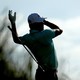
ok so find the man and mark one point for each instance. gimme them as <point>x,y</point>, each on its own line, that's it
<point>40,42</point>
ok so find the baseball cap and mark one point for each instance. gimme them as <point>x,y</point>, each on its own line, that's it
<point>34,17</point>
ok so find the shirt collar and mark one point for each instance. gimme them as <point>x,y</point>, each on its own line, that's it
<point>33,31</point>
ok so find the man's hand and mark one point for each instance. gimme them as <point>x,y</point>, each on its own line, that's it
<point>12,18</point>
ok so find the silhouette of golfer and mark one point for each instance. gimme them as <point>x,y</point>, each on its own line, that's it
<point>40,42</point>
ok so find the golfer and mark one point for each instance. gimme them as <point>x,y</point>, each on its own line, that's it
<point>40,42</point>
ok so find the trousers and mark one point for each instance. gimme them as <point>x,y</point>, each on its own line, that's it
<point>46,75</point>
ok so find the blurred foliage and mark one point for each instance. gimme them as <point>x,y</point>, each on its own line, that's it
<point>8,70</point>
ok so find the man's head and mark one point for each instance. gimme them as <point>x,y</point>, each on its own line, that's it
<point>35,22</point>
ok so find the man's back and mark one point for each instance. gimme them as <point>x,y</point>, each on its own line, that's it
<point>41,45</point>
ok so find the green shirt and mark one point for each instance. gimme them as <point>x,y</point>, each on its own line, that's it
<point>42,46</point>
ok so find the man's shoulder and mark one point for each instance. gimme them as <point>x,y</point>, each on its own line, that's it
<point>47,31</point>
<point>26,36</point>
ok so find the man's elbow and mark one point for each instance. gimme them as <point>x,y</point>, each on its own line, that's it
<point>58,32</point>
<point>61,31</point>
<point>17,41</point>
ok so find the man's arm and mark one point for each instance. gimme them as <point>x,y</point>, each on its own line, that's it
<point>14,31</point>
<point>58,31</point>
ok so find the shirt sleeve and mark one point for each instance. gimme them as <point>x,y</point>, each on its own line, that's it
<point>23,39</point>
<point>45,37</point>
<point>48,34</point>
